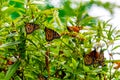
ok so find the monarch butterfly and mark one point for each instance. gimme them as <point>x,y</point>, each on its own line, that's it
<point>30,27</point>
<point>51,34</point>
<point>94,58</point>
<point>74,28</point>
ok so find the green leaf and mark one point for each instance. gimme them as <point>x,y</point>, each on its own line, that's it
<point>12,70</point>
<point>86,69</point>
<point>9,44</point>
<point>88,21</point>
<point>57,19</point>
<point>17,3</point>
<point>69,69</point>
<point>67,10</point>
<point>32,42</point>
<point>2,75</point>
<point>115,47</point>
<point>14,15</point>
<point>29,76</point>
<point>74,63</point>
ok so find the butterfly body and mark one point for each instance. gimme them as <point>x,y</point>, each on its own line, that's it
<point>30,27</point>
<point>51,34</point>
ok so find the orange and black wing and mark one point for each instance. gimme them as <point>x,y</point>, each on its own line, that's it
<point>51,34</point>
<point>56,35</point>
<point>74,28</point>
<point>88,60</point>
<point>30,27</point>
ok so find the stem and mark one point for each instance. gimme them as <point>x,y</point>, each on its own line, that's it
<point>110,69</point>
<point>47,54</point>
<point>110,72</point>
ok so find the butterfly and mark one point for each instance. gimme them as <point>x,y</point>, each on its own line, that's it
<point>74,28</point>
<point>94,58</point>
<point>51,34</point>
<point>30,27</point>
<point>89,58</point>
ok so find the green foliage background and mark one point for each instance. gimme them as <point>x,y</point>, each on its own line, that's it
<point>14,41</point>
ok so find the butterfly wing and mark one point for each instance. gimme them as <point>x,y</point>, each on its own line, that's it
<point>74,28</point>
<point>101,59</point>
<point>48,34</point>
<point>51,34</point>
<point>56,35</point>
<point>30,27</point>
<point>36,26</point>
<point>91,57</point>
<point>88,60</point>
